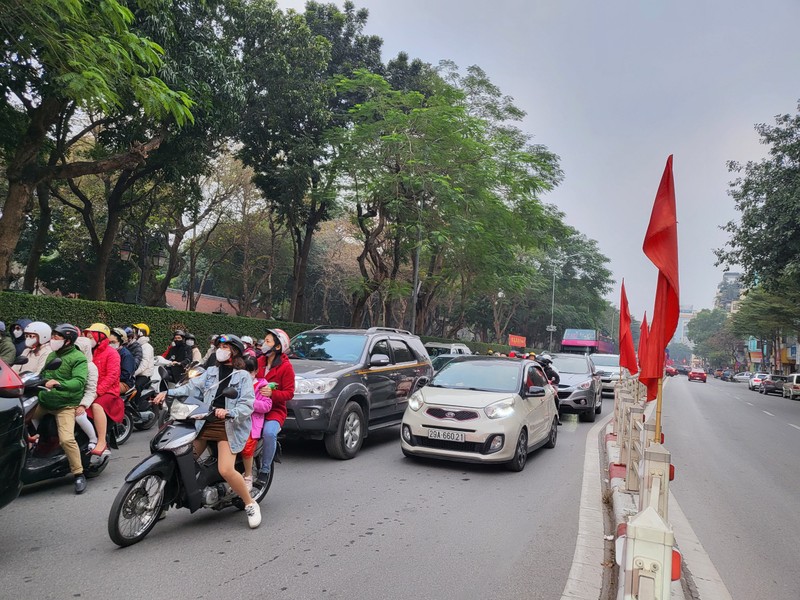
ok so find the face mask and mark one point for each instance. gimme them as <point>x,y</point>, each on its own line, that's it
<point>93,342</point>
<point>56,345</point>
<point>223,355</point>
<point>267,349</point>
<point>115,346</point>
<point>30,342</point>
<point>17,333</point>
<point>178,342</point>
<point>189,343</point>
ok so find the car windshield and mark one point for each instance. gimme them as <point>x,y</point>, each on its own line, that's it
<point>441,361</point>
<point>605,360</point>
<point>488,376</point>
<point>336,347</point>
<point>570,364</point>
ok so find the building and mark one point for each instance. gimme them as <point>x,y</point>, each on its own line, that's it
<point>179,300</point>
<point>729,291</point>
<point>687,314</point>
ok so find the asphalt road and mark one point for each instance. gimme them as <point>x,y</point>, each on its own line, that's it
<point>737,461</point>
<point>380,526</point>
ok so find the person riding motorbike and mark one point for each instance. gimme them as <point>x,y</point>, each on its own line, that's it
<point>126,360</point>
<point>108,404</point>
<point>144,372</point>
<point>191,342</point>
<point>133,347</point>
<point>232,423</point>
<point>178,354</point>
<point>8,352</point>
<point>65,388</point>
<point>89,393</point>
<point>274,367</point>
<point>37,342</point>
<point>18,334</point>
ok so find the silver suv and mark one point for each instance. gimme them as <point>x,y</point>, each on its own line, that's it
<point>608,368</point>
<point>349,382</point>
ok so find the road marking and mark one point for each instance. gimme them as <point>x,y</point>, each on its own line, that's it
<point>586,573</point>
<point>750,403</point>
<point>793,425</point>
<point>767,413</point>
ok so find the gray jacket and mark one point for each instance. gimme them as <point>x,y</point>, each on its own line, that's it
<point>204,388</point>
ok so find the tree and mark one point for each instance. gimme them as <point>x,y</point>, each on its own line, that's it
<point>767,317</point>
<point>59,53</point>
<point>767,196</point>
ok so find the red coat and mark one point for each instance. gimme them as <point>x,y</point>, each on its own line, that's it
<point>108,368</point>
<point>281,373</point>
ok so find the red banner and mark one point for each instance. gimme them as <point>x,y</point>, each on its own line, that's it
<point>516,341</point>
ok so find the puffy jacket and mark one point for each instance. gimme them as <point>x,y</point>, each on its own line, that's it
<point>71,376</point>
<point>8,351</point>
<point>136,351</point>
<point>90,391</point>
<point>261,406</point>
<point>19,344</point>
<point>148,357</point>
<point>126,366</point>
<point>281,373</point>
<point>37,359</point>
<point>108,368</point>
<point>204,388</point>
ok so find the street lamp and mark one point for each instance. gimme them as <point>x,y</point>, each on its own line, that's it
<point>551,328</point>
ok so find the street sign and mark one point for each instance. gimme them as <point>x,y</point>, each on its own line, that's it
<point>516,341</point>
<point>550,328</point>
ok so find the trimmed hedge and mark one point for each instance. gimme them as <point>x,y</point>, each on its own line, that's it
<point>162,321</point>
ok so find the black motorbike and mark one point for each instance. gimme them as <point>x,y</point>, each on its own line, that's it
<point>139,414</point>
<point>172,476</point>
<point>45,458</point>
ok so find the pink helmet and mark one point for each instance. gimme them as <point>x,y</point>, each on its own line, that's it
<point>282,337</point>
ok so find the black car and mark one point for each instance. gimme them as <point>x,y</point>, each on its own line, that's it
<point>352,381</point>
<point>772,384</point>
<point>12,441</point>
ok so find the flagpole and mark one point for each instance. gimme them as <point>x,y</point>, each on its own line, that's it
<point>657,439</point>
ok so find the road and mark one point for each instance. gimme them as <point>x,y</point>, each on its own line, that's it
<point>380,526</point>
<point>738,481</point>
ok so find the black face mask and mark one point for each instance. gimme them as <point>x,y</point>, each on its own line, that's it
<point>178,343</point>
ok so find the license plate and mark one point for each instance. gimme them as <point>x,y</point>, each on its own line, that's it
<point>449,436</point>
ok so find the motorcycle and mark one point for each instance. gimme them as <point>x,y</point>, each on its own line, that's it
<point>138,415</point>
<point>45,459</point>
<point>161,382</point>
<point>173,476</point>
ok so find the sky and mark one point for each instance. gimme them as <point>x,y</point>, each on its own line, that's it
<point>614,88</point>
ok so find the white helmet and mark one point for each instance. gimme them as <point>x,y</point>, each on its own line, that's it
<point>282,337</point>
<point>246,339</point>
<point>41,329</point>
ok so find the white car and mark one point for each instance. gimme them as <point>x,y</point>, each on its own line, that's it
<point>743,377</point>
<point>483,410</point>
<point>755,380</point>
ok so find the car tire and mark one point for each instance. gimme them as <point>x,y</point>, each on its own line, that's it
<point>553,437</point>
<point>588,416</point>
<point>346,441</point>
<point>520,459</point>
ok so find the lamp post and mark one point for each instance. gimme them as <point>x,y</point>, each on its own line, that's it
<point>551,328</point>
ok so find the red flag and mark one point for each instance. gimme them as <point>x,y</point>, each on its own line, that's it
<point>627,353</point>
<point>661,247</point>
<point>644,352</point>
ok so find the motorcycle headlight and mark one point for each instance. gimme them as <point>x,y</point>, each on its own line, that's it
<point>320,385</point>
<point>500,409</point>
<point>415,401</point>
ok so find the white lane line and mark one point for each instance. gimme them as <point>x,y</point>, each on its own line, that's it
<point>793,425</point>
<point>705,575</point>
<point>750,403</point>
<point>767,413</point>
<point>586,574</point>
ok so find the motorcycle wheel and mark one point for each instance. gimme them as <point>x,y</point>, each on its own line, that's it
<point>259,491</point>
<point>135,510</point>
<point>145,425</point>
<point>124,429</point>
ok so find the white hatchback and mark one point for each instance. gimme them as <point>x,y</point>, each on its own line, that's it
<point>484,410</point>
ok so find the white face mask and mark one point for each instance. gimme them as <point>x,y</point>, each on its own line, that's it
<point>223,355</point>
<point>17,333</point>
<point>92,342</point>
<point>30,342</point>
<point>115,346</point>
<point>190,343</point>
<point>267,349</point>
<point>56,345</point>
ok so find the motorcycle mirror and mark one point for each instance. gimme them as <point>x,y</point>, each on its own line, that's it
<point>20,360</point>
<point>53,364</point>
<point>230,392</point>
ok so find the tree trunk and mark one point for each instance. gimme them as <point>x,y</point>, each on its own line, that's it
<point>97,283</point>
<point>40,242</point>
<point>301,272</point>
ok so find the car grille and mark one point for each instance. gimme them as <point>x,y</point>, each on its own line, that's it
<point>473,447</point>
<point>457,415</point>
<point>562,395</point>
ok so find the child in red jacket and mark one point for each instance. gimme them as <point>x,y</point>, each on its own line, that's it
<point>276,369</point>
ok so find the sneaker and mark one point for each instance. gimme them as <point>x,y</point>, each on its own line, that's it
<point>253,515</point>
<point>248,481</point>
<point>262,479</point>
<point>80,483</point>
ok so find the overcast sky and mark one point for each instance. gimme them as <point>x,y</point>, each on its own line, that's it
<point>614,88</point>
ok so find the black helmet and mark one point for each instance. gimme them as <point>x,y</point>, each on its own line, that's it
<point>67,331</point>
<point>544,359</point>
<point>190,336</point>
<point>179,332</point>
<point>233,340</point>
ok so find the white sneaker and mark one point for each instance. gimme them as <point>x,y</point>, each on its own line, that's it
<point>253,515</point>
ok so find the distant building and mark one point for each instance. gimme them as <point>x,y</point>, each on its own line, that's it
<point>206,303</point>
<point>687,314</point>
<point>729,291</point>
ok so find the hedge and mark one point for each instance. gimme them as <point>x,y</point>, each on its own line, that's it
<point>162,321</point>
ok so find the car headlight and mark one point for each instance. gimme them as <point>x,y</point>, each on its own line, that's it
<point>585,385</point>
<point>320,385</point>
<point>415,401</point>
<point>500,409</point>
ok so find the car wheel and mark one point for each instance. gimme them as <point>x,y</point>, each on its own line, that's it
<point>346,441</point>
<point>553,437</point>
<point>588,416</point>
<point>520,453</point>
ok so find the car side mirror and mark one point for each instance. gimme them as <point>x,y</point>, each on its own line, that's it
<point>379,360</point>
<point>536,391</point>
